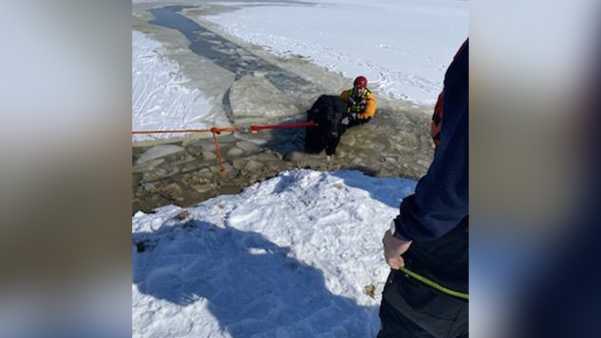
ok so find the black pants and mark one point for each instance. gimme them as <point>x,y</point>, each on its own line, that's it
<point>396,325</point>
<point>411,309</point>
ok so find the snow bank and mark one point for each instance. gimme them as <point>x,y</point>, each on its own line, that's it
<point>403,47</point>
<point>288,257</point>
<point>160,98</point>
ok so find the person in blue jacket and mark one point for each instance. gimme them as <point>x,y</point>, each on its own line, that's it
<point>430,234</point>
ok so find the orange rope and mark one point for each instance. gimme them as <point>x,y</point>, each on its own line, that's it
<point>170,131</point>
<point>256,128</point>
<point>216,131</point>
<point>253,128</point>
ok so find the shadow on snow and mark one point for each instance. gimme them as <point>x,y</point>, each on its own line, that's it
<point>251,285</point>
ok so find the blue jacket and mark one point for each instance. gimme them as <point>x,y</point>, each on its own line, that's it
<point>440,200</point>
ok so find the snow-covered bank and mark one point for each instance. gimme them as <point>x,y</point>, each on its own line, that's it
<point>288,257</point>
<point>403,47</point>
<point>160,97</point>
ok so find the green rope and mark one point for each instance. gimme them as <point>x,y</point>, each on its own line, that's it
<point>435,285</point>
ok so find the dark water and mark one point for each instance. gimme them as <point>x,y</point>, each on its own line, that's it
<point>225,53</point>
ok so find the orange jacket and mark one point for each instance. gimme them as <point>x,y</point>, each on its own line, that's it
<point>370,103</point>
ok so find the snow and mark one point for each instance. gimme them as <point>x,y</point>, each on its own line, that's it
<point>287,257</point>
<point>160,98</point>
<point>403,47</point>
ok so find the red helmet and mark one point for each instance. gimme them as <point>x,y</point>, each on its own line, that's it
<point>360,82</point>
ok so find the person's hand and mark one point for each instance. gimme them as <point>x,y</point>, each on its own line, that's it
<point>393,249</point>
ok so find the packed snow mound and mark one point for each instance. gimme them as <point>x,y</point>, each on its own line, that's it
<point>288,257</point>
<point>161,98</point>
<point>403,47</point>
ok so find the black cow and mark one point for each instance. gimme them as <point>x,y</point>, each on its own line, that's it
<point>328,112</point>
